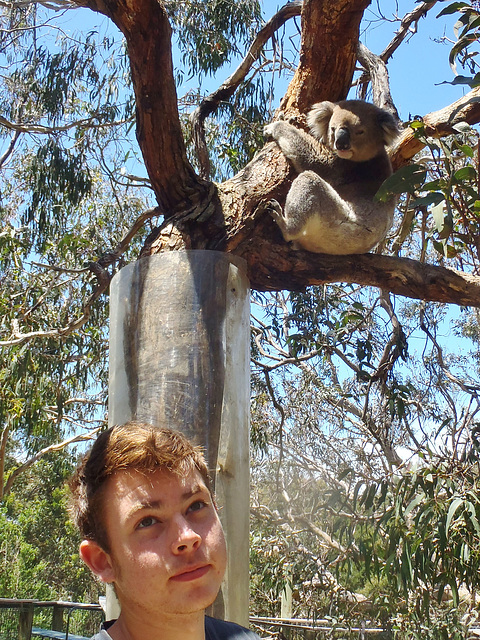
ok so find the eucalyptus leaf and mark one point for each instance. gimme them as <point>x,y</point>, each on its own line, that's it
<point>406,179</point>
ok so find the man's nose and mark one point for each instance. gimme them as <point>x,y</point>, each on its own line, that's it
<point>185,538</point>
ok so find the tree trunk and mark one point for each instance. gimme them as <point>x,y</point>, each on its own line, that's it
<point>232,216</point>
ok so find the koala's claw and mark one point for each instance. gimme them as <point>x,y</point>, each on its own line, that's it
<point>268,130</point>
<point>275,209</point>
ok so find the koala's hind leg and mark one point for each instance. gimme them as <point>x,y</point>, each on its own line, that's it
<point>315,216</point>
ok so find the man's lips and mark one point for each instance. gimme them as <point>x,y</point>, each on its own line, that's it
<point>191,573</point>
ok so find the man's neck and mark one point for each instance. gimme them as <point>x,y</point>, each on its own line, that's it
<point>171,627</point>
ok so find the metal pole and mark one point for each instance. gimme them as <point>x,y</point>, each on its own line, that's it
<point>179,356</point>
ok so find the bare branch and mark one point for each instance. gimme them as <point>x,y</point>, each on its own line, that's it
<point>406,27</point>
<point>122,246</point>
<point>375,66</point>
<point>284,268</point>
<point>74,325</point>
<point>103,279</point>
<point>43,452</point>
<point>54,5</point>
<point>42,129</point>
<point>228,88</point>
<point>9,150</point>
<point>377,72</point>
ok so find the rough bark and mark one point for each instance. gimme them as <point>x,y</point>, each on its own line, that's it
<point>147,31</point>
<point>328,53</point>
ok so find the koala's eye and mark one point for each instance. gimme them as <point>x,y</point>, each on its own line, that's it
<point>360,132</point>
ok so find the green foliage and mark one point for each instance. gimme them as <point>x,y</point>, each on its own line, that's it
<point>444,626</point>
<point>426,531</point>
<point>467,34</point>
<point>446,185</point>
<point>38,547</point>
<point>382,536</point>
<point>210,32</point>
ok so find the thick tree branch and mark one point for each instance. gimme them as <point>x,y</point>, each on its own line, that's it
<point>147,31</point>
<point>328,52</point>
<point>278,267</point>
<point>232,216</point>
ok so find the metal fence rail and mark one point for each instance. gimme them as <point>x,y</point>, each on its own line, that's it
<point>305,629</point>
<point>18,617</point>
<point>316,629</point>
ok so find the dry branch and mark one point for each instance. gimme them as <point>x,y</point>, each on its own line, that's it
<point>402,276</point>
<point>228,88</point>
<point>406,27</point>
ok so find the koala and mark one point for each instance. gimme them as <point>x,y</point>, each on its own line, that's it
<point>330,207</point>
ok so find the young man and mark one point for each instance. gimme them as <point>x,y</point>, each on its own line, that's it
<point>141,499</point>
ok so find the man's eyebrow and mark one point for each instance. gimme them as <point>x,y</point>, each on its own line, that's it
<point>145,505</point>
<point>196,488</point>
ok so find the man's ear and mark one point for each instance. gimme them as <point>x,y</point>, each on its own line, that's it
<point>97,560</point>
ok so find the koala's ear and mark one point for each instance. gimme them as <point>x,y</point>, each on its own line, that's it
<point>389,126</point>
<point>319,117</point>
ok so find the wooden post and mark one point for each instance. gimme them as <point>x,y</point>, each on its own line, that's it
<point>179,357</point>
<point>286,602</point>
<point>57,618</point>
<point>25,622</point>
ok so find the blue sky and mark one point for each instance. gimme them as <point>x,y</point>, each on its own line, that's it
<point>417,70</point>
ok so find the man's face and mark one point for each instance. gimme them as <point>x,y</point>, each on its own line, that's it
<point>167,548</point>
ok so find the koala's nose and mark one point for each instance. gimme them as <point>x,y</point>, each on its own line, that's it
<point>342,139</point>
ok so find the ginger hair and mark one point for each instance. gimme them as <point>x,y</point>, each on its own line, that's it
<point>132,446</point>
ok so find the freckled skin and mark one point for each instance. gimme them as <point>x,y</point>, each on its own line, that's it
<point>330,207</point>
<point>167,556</point>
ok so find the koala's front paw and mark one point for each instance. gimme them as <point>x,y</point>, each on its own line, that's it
<point>268,130</point>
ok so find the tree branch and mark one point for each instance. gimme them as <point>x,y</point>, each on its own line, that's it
<point>42,129</point>
<point>147,31</point>
<point>328,53</point>
<point>405,28</point>
<point>438,124</point>
<point>51,448</point>
<point>228,88</point>
<point>377,72</point>
<point>276,268</point>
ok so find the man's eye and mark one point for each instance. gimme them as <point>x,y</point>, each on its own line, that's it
<point>197,505</point>
<point>147,522</point>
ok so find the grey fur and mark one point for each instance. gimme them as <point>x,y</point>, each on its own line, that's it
<point>330,207</point>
